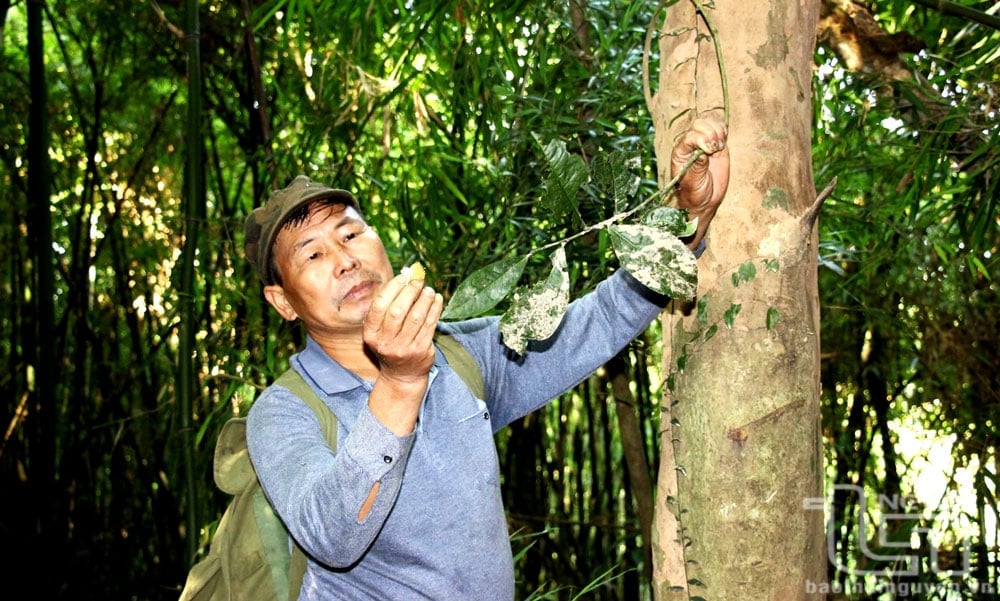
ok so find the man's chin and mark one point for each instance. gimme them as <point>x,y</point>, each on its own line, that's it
<point>354,312</point>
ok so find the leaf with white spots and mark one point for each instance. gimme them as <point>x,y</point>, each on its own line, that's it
<point>535,313</point>
<point>656,258</point>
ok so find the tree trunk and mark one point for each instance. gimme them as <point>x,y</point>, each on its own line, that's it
<point>42,477</point>
<point>741,422</point>
<point>194,213</point>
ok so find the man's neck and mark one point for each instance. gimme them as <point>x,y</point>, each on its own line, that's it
<point>349,351</point>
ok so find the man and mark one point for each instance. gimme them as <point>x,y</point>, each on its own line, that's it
<point>408,506</point>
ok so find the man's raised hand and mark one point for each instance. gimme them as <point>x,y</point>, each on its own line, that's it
<point>400,325</point>
<point>702,187</point>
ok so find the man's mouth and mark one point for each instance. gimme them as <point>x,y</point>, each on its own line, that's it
<point>359,292</point>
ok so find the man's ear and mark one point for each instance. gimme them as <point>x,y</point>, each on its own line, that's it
<point>276,296</point>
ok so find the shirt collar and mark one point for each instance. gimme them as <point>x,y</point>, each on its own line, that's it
<point>331,377</point>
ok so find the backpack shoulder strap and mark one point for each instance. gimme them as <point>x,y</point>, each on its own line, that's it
<point>462,362</point>
<point>294,381</point>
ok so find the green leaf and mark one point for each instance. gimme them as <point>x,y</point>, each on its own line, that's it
<point>567,174</point>
<point>671,220</point>
<point>744,273</point>
<point>702,311</point>
<point>486,287</point>
<point>772,317</point>
<point>535,313</point>
<point>730,315</point>
<point>656,258</point>
<point>613,176</point>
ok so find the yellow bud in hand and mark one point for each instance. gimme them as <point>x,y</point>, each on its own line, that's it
<point>413,272</point>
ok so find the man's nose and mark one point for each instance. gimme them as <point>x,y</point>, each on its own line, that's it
<point>346,263</point>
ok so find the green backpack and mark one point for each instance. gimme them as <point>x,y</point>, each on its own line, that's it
<point>250,557</point>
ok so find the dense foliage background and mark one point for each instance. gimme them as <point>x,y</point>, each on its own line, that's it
<point>134,327</point>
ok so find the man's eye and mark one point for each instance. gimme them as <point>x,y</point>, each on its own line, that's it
<point>313,256</point>
<point>350,237</point>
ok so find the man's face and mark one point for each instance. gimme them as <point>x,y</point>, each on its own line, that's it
<point>331,266</point>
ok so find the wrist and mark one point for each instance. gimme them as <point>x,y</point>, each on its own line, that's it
<point>403,386</point>
<point>395,402</point>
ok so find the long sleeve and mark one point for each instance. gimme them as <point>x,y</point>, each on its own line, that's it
<point>317,492</point>
<point>595,328</point>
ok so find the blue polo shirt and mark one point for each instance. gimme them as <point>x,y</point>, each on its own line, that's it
<point>437,530</point>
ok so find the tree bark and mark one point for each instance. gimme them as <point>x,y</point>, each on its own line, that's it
<point>634,453</point>
<point>42,476</point>
<point>194,213</point>
<point>741,424</point>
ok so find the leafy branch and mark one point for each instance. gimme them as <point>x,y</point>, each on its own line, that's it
<point>645,236</point>
<point>649,247</point>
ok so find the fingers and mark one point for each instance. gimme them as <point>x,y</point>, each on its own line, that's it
<point>706,135</point>
<point>380,307</point>
<point>402,319</point>
<point>420,322</point>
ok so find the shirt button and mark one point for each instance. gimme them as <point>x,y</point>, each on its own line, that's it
<point>387,459</point>
<point>486,415</point>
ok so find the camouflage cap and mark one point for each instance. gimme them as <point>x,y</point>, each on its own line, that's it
<point>264,223</point>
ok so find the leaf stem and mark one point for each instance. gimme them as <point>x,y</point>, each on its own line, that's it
<point>718,55</point>
<point>668,189</point>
